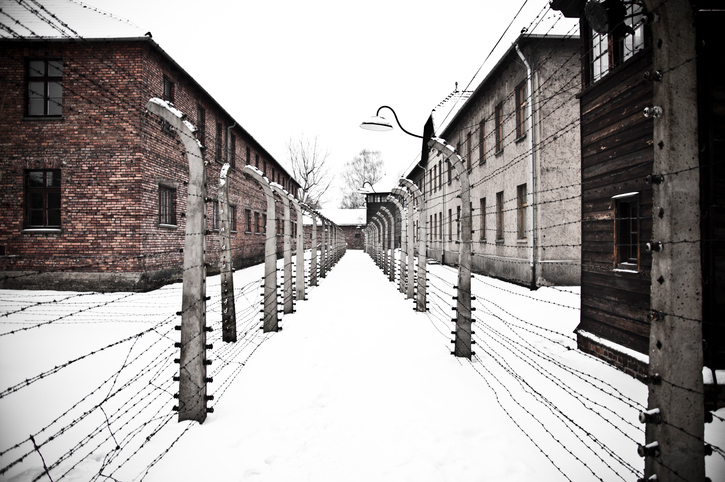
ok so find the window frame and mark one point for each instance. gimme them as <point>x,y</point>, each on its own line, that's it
<point>482,227</point>
<point>44,191</point>
<point>167,89</point>
<point>201,124</point>
<point>46,78</point>
<point>630,250</point>
<point>521,103</point>
<point>521,211</point>
<point>498,117</point>
<point>482,142</point>
<point>167,206</point>
<point>499,217</point>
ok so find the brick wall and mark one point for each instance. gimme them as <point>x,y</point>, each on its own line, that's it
<point>626,363</point>
<point>113,157</point>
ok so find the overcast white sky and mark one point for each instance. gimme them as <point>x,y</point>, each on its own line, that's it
<point>320,67</point>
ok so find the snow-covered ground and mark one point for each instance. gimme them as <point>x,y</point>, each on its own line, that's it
<point>357,387</point>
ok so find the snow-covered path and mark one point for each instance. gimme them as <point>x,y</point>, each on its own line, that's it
<point>360,388</point>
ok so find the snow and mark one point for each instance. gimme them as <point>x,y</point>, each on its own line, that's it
<point>357,387</point>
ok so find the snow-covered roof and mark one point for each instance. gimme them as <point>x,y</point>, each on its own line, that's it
<point>63,19</point>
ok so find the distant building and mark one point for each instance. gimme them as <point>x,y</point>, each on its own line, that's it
<point>93,189</point>
<point>351,221</point>
<point>524,178</point>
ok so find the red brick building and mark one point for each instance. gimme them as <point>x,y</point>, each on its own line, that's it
<point>93,189</point>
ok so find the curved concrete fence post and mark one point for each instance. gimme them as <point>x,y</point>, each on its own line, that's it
<point>381,245</point>
<point>410,246</point>
<point>463,304</point>
<point>323,248</point>
<point>403,242</point>
<point>390,219</point>
<point>313,249</point>
<point>229,317</point>
<point>287,243</point>
<point>377,240</point>
<point>271,320</point>
<point>192,362</point>
<point>421,300</point>
<point>300,245</point>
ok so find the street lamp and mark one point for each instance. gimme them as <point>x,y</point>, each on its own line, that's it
<point>379,123</point>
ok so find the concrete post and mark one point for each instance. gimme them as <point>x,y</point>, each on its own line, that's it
<point>675,353</point>
<point>376,240</point>
<point>383,242</point>
<point>323,250</point>
<point>192,361</point>
<point>229,317</point>
<point>403,241</point>
<point>271,320</point>
<point>412,217</point>
<point>463,305</point>
<point>421,301</point>
<point>300,260</point>
<point>287,243</point>
<point>313,248</point>
<point>390,219</point>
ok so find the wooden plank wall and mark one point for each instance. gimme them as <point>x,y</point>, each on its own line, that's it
<point>617,154</point>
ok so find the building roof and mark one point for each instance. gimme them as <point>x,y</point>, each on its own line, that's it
<point>73,21</point>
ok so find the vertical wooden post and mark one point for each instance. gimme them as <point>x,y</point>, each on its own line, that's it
<point>271,316</point>
<point>463,304</point>
<point>192,361</point>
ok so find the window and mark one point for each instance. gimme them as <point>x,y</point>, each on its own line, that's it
<point>440,225</point>
<point>248,221</point>
<point>45,88</point>
<point>167,205</point>
<point>232,150</point>
<point>499,216</point>
<point>521,110</point>
<point>431,232</point>
<point>249,159</point>
<point>257,225</point>
<point>449,169</point>
<point>499,127</point>
<point>440,175</point>
<point>482,142</point>
<point>610,50</point>
<point>458,223</point>
<point>219,142</point>
<point>264,223</point>
<point>435,225</point>
<point>482,229</point>
<point>521,205</point>
<point>168,89</point>
<point>233,219</point>
<point>217,219</point>
<point>469,151</point>
<point>450,227</point>
<point>626,230</point>
<point>201,124</point>
<point>42,198</point>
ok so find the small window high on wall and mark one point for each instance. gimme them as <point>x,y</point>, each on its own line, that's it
<point>626,230</point>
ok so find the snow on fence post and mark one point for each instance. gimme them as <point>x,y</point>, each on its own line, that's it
<point>287,243</point>
<point>463,297</point>
<point>390,219</point>
<point>421,301</point>
<point>403,241</point>
<point>229,316</point>
<point>192,361</point>
<point>300,260</point>
<point>410,251</point>
<point>270,319</point>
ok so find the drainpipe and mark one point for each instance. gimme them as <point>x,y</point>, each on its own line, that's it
<point>530,182</point>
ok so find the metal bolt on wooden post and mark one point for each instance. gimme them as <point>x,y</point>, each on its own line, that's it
<point>271,315</point>
<point>463,304</point>
<point>192,367</point>
<point>422,254</point>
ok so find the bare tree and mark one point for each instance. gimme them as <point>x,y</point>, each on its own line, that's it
<point>366,167</point>
<point>309,167</point>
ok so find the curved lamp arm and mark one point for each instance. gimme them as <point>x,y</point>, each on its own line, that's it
<point>380,123</point>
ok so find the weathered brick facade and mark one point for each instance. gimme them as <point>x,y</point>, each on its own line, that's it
<point>114,159</point>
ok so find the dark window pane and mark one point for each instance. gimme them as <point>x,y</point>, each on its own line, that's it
<point>36,68</point>
<point>54,217</point>
<point>35,200</point>
<point>55,68</point>
<point>36,217</point>
<point>53,200</point>
<point>53,178</point>
<point>35,179</point>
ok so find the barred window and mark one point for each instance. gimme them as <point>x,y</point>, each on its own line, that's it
<point>167,205</point>
<point>42,198</point>
<point>45,88</point>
